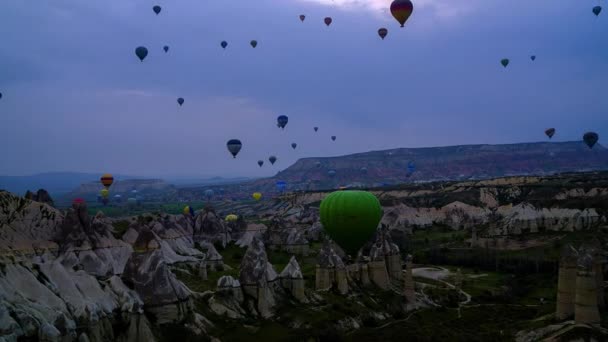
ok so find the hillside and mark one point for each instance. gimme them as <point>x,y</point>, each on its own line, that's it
<point>466,162</point>
<point>56,183</point>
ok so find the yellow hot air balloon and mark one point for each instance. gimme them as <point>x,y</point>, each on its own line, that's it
<point>257,196</point>
<point>104,193</point>
<point>231,218</point>
<point>188,211</point>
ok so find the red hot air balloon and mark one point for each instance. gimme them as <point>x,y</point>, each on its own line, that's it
<point>401,10</point>
<point>327,21</point>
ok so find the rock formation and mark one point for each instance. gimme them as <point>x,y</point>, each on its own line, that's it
<point>566,285</point>
<point>293,280</point>
<point>41,196</point>
<point>208,226</point>
<point>258,277</point>
<point>408,281</point>
<point>148,274</point>
<point>330,270</point>
<point>585,302</point>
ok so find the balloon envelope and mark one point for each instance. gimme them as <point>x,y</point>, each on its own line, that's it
<point>282,121</point>
<point>316,129</point>
<point>257,196</point>
<point>402,10</point>
<point>107,180</point>
<point>590,138</point>
<point>141,52</point>
<point>550,132</point>
<point>156,9</point>
<point>302,17</point>
<point>166,48</point>
<point>224,44</point>
<point>327,21</point>
<point>350,218</point>
<point>533,58</point>
<point>294,145</point>
<point>597,10</point>
<point>180,101</point>
<point>333,137</point>
<point>234,146</point>
<point>272,159</point>
<point>231,218</point>
<point>260,163</point>
<point>382,32</point>
<point>254,43</point>
<point>331,173</point>
<point>504,62</point>
<point>281,185</point>
<point>104,193</point>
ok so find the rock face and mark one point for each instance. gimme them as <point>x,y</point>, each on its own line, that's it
<point>384,251</point>
<point>46,293</point>
<point>293,280</point>
<point>210,227</point>
<point>258,278</point>
<point>148,274</point>
<point>41,196</point>
<point>330,270</point>
<point>228,298</point>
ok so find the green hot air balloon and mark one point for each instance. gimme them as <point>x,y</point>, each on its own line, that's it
<point>350,218</point>
<point>504,62</point>
<point>141,52</point>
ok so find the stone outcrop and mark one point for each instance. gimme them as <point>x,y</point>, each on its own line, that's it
<point>330,270</point>
<point>148,274</point>
<point>208,226</point>
<point>409,289</point>
<point>41,196</point>
<point>585,302</point>
<point>258,277</point>
<point>292,279</point>
<point>385,250</point>
<point>566,283</point>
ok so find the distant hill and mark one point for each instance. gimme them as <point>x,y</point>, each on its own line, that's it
<point>56,183</point>
<point>193,182</point>
<point>431,164</point>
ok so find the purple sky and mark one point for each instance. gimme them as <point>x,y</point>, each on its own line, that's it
<point>76,98</point>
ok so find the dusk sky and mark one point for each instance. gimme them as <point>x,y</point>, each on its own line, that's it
<point>76,98</point>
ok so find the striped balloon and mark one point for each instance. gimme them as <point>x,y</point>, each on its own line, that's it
<point>401,10</point>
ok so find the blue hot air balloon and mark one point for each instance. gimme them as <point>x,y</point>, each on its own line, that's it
<point>281,186</point>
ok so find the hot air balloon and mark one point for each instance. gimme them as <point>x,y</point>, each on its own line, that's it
<point>411,167</point>
<point>156,9</point>
<point>533,58</point>
<point>132,201</point>
<point>597,10</point>
<point>223,44</point>
<point>166,48</point>
<point>78,203</point>
<point>327,21</point>
<point>504,62</point>
<point>107,180</point>
<point>188,211</point>
<point>234,146</point>
<point>294,145</point>
<point>590,138</point>
<point>331,173</point>
<point>209,193</point>
<point>180,101</point>
<point>382,32</point>
<point>282,121</point>
<point>333,137</point>
<point>401,10</point>
<point>0,95</point>
<point>254,43</point>
<point>272,159</point>
<point>260,163</point>
<point>318,164</point>
<point>550,132</point>
<point>141,52</point>
<point>350,218</point>
<point>104,193</point>
<point>302,17</point>
<point>281,185</point>
<point>256,196</point>
<point>363,170</point>
<point>231,218</point>
<point>316,128</point>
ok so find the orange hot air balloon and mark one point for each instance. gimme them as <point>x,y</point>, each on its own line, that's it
<point>401,10</point>
<point>107,180</point>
